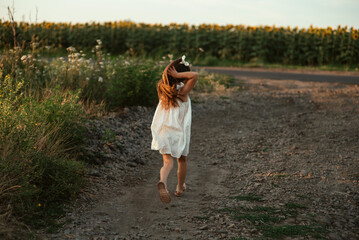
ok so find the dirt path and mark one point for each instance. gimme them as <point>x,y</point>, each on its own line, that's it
<point>276,160</point>
<point>287,74</point>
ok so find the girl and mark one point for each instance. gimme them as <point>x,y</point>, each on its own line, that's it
<point>171,125</point>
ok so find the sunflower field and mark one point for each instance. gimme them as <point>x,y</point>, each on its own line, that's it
<point>270,44</point>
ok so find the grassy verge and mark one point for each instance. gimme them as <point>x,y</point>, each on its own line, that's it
<point>36,164</point>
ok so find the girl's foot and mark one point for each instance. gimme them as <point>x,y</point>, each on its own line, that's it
<point>178,192</point>
<point>164,194</point>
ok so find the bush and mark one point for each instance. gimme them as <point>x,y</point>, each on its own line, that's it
<point>132,83</point>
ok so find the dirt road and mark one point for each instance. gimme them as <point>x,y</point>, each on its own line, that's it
<point>287,74</point>
<point>279,159</point>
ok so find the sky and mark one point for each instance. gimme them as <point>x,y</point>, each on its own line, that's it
<point>301,13</point>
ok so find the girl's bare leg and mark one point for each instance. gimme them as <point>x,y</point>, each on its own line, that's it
<point>164,172</point>
<point>166,169</point>
<point>181,174</point>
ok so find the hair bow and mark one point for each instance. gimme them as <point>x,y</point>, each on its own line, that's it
<point>184,61</point>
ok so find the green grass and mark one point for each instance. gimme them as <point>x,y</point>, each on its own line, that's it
<point>224,97</point>
<point>270,220</point>
<point>109,136</point>
<point>258,218</point>
<point>281,231</point>
<point>251,198</point>
<point>302,196</point>
<point>293,205</point>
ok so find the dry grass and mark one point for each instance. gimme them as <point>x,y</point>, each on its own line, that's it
<point>10,227</point>
<point>92,109</point>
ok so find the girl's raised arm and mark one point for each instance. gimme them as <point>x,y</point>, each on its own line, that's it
<point>191,79</point>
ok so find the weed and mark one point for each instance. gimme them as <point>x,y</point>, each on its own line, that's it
<point>109,136</point>
<point>292,205</point>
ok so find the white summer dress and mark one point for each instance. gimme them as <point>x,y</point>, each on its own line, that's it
<point>171,129</point>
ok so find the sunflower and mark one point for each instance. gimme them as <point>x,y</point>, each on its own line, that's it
<point>355,36</point>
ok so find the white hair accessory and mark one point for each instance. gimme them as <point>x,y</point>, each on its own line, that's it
<point>179,86</point>
<point>184,61</point>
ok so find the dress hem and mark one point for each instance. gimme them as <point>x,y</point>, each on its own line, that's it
<point>170,153</point>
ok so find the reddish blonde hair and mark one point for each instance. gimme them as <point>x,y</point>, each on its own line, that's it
<point>166,87</point>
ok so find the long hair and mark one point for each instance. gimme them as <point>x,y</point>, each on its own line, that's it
<point>166,87</point>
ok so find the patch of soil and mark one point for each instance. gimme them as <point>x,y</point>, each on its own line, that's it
<point>279,159</point>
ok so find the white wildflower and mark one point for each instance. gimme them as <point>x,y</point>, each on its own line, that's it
<point>201,49</point>
<point>34,44</point>
<point>99,42</point>
<point>100,79</point>
<point>71,49</point>
<point>23,58</point>
<point>87,78</point>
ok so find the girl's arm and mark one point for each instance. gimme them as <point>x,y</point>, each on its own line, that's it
<point>191,79</point>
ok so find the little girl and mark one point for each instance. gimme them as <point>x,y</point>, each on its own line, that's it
<point>171,125</point>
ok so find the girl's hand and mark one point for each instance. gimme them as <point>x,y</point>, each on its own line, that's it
<point>172,72</point>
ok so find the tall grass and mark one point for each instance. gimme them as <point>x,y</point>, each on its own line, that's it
<point>36,161</point>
